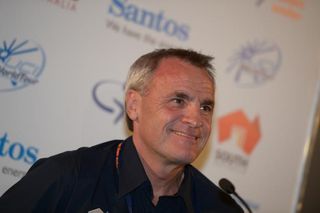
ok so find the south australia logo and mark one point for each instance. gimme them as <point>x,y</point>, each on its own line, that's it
<point>238,137</point>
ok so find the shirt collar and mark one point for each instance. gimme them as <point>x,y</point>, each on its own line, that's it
<point>185,190</point>
<point>131,166</point>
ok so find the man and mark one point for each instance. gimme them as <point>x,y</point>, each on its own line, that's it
<point>169,99</point>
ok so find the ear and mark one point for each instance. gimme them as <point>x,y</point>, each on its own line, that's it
<point>132,104</point>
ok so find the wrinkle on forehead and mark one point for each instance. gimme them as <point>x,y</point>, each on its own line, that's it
<point>178,72</point>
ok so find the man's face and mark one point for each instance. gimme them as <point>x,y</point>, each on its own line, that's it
<point>172,119</point>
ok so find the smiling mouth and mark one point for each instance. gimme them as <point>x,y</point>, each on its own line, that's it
<point>183,134</point>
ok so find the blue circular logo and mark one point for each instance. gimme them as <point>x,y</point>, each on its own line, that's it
<point>21,64</point>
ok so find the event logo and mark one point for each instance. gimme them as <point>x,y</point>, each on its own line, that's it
<point>156,21</point>
<point>103,95</point>
<point>288,8</point>
<point>255,63</point>
<point>242,136</point>
<point>65,4</point>
<point>21,64</point>
<point>17,151</point>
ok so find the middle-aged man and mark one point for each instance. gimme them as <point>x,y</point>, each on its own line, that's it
<point>169,98</point>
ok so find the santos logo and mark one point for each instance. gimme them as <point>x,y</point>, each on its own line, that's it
<point>17,151</point>
<point>21,64</point>
<point>156,21</point>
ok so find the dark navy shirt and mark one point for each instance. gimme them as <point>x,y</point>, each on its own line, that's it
<point>88,180</point>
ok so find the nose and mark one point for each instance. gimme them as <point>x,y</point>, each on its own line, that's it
<point>192,116</point>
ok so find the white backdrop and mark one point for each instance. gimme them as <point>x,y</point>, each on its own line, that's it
<point>63,64</point>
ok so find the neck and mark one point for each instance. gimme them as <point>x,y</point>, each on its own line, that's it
<point>165,178</point>
<point>164,181</point>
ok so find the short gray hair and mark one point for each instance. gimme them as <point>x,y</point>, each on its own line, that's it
<point>142,70</point>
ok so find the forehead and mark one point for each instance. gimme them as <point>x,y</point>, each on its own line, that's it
<point>176,73</point>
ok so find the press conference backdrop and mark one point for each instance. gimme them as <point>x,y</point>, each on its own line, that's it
<point>63,64</point>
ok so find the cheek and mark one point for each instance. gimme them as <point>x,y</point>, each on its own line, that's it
<point>209,126</point>
<point>154,119</point>
<point>207,121</point>
<point>206,133</point>
<point>171,118</point>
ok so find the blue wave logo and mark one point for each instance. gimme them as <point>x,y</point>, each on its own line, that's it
<point>255,63</point>
<point>21,64</point>
<point>103,95</point>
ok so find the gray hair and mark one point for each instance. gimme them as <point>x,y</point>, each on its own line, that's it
<point>142,70</point>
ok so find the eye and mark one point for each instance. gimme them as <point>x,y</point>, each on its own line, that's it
<point>178,101</point>
<point>207,108</point>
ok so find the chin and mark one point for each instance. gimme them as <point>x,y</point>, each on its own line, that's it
<point>186,158</point>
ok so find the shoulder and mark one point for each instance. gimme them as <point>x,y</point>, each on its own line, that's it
<point>84,155</point>
<point>210,197</point>
<point>59,178</point>
<point>79,160</point>
<point>201,182</point>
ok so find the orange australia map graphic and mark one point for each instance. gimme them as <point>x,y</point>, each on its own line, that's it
<point>289,8</point>
<point>249,132</point>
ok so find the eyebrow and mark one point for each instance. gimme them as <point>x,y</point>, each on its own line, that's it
<point>187,97</point>
<point>182,95</point>
<point>208,102</point>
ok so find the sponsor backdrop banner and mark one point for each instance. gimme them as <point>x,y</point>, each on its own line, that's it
<point>63,64</point>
